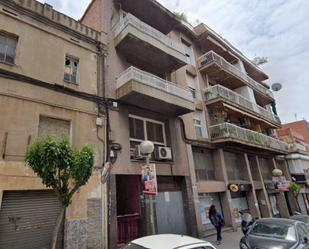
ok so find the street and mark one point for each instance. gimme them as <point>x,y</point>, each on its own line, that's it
<point>230,240</point>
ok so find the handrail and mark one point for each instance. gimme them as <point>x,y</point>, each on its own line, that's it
<point>211,57</point>
<point>154,81</point>
<point>228,130</point>
<point>221,91</point>
<point>156,34</point>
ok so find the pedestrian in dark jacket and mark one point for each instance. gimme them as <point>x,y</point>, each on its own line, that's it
<point>217,220</point>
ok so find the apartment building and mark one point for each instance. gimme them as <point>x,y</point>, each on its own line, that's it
<point>50,83</point>
<point>298,161</point>
<point>200,101</point>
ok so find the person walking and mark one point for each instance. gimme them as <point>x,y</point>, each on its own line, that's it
<point>217,221</point>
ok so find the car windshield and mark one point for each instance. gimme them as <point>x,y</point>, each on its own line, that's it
<point>273,230</point>
<point>134,246</point>
<point>302,218</point>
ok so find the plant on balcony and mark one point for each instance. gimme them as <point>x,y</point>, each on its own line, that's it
<point>295,188</point>
<point>181,16</point>
<point>259,60</point>
<point>61,168</point>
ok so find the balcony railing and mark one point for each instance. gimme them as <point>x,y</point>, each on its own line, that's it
<point>212,57</point>
<point>138,24</point>
<point>227,131</point>
<point>151,80</point>
<point>223,92</point>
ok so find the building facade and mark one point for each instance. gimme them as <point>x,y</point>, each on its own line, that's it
<point>49,80</point>
<point>298,160</point>
<point>196,96</point>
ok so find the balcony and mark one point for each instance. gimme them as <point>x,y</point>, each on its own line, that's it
<point>148,91</point>
<point>220,93</point>
<point>227,132</point>
<point>144,45</point>
<point>227,74</point>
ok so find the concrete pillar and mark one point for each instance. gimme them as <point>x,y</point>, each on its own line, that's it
<point>112,213</point>
<point>264,203</point>
<point>282,205</point>
<point>251,195</point>
<point>226,199</point>
<point>196,202</point>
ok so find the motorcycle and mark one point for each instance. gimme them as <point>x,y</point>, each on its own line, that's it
<point>246,221</point>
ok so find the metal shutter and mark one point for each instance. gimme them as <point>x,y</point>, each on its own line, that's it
<point>27,219</point>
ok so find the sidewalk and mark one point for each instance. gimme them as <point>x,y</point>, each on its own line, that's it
<point>230,239</point>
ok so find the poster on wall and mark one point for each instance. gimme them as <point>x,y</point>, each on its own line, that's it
<point>149,179</point>
<point>280,183</point>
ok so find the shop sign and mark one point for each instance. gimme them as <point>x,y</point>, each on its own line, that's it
<point>149,179</point>
<point>233,188</point>
<point>280,183</point>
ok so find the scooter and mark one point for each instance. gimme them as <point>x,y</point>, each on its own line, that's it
<point>246,221</point>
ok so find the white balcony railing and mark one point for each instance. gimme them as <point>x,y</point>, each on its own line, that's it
<point>129,19</point>
<point>231,131</point>
<point>154,81</point>
<point>212,57</point>
<point>223,92</point>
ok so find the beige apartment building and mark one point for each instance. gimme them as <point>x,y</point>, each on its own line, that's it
<point>50,80</point>
<point>207,110</point>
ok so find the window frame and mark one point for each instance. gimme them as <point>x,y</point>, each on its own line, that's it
<point>200,126</point>
<point>72,58</point>
<point>145,129</point>
<point>11,36</point>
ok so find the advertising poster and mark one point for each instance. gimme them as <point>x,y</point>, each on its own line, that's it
<point>280,183</point>
<point>149,179</point>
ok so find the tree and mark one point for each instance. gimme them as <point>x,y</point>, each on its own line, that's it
<point>295,188</point>
<point>259,60</point>
<point>181,16</point>
<point>61,168</point>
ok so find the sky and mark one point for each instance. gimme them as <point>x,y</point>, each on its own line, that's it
<point>276,29</point>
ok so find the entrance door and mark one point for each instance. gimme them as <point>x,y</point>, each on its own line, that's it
<point>27,219</point>
<point>170,213</point>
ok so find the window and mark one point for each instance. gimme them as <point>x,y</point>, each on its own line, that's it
<point>146,129</point>
<point>189,52</point>
<point>193,86</point>
<point>198,127</point>
<point>53,126</point>
<point>193,92</point>
<point>7,48</point>
<point>203,164</point>
<point>71,69</point>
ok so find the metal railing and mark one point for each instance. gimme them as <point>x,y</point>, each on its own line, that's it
<point>212,57</point>
<point>231,131</point>
<point>223,92</point>
<point>154,81</point>
<point>129,19</point>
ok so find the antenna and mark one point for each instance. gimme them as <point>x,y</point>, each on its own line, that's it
<point>276,87</point>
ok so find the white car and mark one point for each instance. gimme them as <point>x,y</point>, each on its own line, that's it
<point>168,241</point>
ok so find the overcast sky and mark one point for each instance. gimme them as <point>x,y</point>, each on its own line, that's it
<point>277,29</point>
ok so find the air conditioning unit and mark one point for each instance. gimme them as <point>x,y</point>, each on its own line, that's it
<point>163,153</point>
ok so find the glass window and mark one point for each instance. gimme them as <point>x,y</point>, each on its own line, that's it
<point>198,127</point>
<point>154,132</point>
<point>7,48</point>
<point>193,92</point>
<point>303,231</point>
<point>136,128</point>
<point>205,201</point>
<point>273,230</point>
<point>71,69</point>
<point>204,166</point>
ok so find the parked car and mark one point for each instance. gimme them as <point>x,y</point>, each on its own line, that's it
<point>274,233</point>
<point>301,217</point>
<point>168,241</point>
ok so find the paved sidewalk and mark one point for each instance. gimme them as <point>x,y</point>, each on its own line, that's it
<point>230,240</point>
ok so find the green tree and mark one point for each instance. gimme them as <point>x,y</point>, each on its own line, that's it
<point>61,168</point>
<point>181,16</point>
<point>259,60</point>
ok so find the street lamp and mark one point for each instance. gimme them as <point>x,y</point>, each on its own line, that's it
<point>146,148</point>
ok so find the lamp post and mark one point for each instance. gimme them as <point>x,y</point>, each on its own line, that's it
<point>147,147</point>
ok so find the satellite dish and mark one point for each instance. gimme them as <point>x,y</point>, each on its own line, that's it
<point>276,87</point>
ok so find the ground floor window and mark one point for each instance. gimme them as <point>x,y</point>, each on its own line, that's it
<point>206,200</point>
<point>239,203</point>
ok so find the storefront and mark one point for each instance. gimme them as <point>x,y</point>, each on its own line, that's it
<point>239,199</point>
<point>206,200</point>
